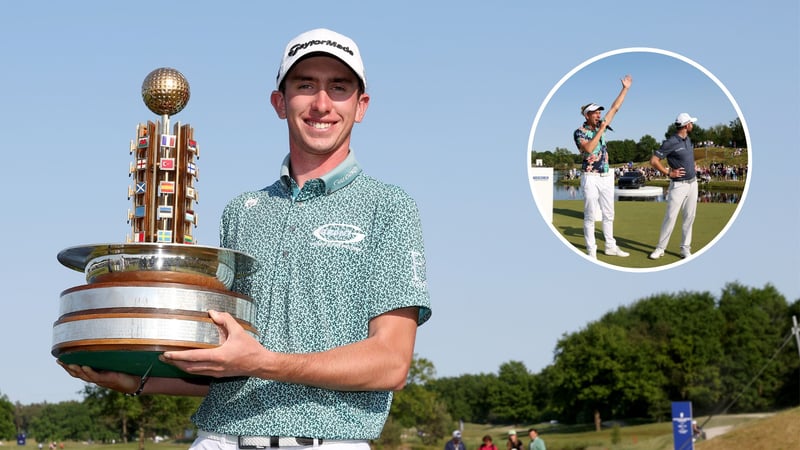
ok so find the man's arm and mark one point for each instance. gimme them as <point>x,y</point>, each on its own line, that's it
<point>589,145</point>
<point>612,111</point>
<point>677,172</point>
<point>655,162</point>
<point>378,363</point>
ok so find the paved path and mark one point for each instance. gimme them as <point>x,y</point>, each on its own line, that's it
<point>716,431</point>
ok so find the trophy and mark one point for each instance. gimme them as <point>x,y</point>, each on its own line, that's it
<point>151,294</point>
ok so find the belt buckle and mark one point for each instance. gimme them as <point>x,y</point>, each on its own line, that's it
<point>254,445</point>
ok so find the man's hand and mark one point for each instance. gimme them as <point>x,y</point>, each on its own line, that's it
<point>627,81</point>
<point>121,382</point>
<point>378,363</point>
<point>238,354</point>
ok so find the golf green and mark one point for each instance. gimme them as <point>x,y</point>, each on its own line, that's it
<point>636,228</point>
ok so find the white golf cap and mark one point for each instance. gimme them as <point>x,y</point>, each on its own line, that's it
<point>591,107</point>
<point>325,41</point>
<point>683,119</point>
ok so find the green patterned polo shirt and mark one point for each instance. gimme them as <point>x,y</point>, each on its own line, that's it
<point>340,251</point>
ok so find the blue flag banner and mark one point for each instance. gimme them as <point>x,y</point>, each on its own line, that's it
<point>682,425</point>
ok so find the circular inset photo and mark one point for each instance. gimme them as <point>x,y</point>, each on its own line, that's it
<point>638,159</point>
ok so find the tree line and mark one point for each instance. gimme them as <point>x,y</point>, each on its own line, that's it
<point>103,416</point>
<point>730,353</point>
<point>724,354</point>
<point>622,151</point>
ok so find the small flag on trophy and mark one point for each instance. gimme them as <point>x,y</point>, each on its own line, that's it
<point>164,236</point>
<point>168,140</point>
<point>166,187</point>
<point>167,163</point>
<point>165,212</point>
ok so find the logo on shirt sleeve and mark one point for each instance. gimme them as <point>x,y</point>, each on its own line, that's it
<point>418,270</point>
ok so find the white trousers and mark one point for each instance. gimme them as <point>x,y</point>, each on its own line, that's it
<point>598,204</point>
<point>681,197</point>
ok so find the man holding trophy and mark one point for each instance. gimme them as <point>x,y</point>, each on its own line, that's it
<point>340,291</point>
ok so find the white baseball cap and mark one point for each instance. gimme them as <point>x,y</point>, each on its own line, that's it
<point>591,107</point>
<point>683,119</point>
<point>322,40</point>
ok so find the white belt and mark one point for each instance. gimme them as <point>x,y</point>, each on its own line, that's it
<point>262,442</point>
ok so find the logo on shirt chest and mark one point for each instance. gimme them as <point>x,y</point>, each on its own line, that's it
<point>339,235</point>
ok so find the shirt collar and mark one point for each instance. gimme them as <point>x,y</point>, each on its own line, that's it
<point>589,127</point>
<point>339,177</point>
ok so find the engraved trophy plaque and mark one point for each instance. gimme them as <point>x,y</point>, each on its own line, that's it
<point>152,293</point>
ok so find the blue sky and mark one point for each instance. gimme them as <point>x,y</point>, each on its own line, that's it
<point>455,90</point>
<point>664,85</point>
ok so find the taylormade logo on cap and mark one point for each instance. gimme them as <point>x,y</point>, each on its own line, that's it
<point>297,47</point>
<point>322,40</point>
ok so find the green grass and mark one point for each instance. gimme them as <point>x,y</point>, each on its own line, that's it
<point>636,229</point>
<point>777,432</point>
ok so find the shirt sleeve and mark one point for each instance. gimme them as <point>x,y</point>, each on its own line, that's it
<point>665,149</point>
<point>579,136</point>
<point>397,276</point>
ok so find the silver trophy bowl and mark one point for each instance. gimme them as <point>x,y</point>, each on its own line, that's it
<point>192,264</point>
<point>146,298</point>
